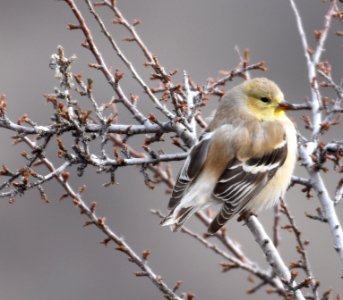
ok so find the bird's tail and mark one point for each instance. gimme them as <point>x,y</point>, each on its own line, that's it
<point>178,216</point>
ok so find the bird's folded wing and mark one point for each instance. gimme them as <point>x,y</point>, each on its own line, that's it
<point>242,180</point>
<point>190,169</point>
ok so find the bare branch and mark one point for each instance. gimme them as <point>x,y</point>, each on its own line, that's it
<point>308,149</point>
<point>99,222</point>
<point>301,250</point>
<point>325,201</point>
<point>272,255</point>
<point>235,263</point>
<point>129,65</point>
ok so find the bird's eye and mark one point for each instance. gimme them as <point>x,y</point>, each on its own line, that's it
<point>265,100</point>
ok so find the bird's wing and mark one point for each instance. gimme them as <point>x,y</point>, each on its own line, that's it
<point>242,180</point>
<point>190,169</point>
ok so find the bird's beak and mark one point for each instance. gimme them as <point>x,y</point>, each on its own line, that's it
<point>284,105</point>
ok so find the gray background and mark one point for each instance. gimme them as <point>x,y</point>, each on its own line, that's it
<point>44,251</point>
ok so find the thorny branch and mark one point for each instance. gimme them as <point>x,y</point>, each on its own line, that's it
<point>180,105</point>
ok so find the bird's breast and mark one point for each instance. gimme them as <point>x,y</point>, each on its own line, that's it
<point>278,185</point>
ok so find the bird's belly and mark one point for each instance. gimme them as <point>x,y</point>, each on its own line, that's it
<point>277,186</point>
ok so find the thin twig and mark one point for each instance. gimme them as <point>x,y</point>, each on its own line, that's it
<point>129,65</point>
<point>301,250</point>
<point>236,263</point>
<point>99,222</point>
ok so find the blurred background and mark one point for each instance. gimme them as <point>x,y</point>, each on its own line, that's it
<point>44,251</point>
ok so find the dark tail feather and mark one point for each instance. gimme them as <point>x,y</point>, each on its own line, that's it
<point>218,222</point>
<point>174,201</point>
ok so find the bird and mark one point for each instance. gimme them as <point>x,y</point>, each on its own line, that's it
<point>244,159</point>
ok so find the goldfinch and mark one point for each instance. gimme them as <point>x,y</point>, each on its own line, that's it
<point>244,160</point>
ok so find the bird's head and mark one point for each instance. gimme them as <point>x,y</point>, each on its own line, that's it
<point>264,99</point>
